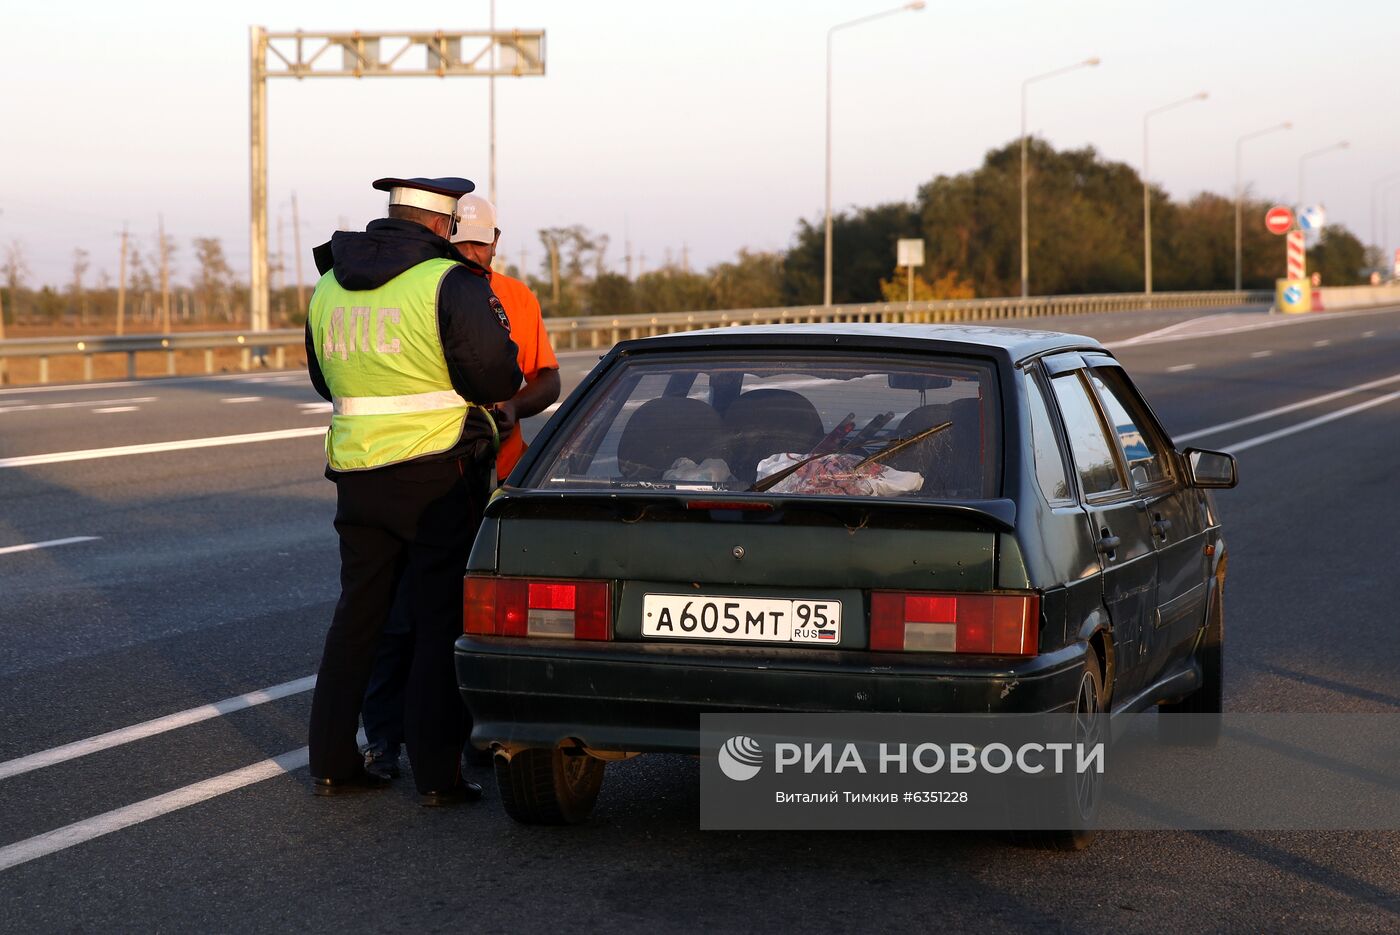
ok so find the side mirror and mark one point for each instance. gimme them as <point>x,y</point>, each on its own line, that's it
<point>1211,468</point>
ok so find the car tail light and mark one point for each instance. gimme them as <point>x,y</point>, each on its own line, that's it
<point>991,624</point>
<point>571,610</point>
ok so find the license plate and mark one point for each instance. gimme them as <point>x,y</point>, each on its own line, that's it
<point>755,619</point>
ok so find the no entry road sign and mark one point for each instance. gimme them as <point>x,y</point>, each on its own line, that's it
<point>1278,220</point>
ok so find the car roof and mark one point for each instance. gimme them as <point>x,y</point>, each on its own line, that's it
<point>1015,343</point>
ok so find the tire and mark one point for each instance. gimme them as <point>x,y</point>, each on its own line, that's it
<point>542,786</point>
<point>1082,793</point>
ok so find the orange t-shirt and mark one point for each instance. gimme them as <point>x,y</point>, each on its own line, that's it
<point>535,354</point>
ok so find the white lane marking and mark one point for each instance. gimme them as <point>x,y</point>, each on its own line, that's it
<point>1283,321</point>
<point>1170,329</point>
<point>30,547</point>
<point>124,735</point>
<point>90,454</point>
<point>50,842</point>
<point>34,407</point>
<point>1368,334</point>
<point>1283,410</point>
<point>1181,368</point>
<point>309,409</point>
<point>1262,354</point>
<point>1322,343</point>
<point>1314,423</point>
<point>241,399</point>
<point>149,383</point>
<point>107,409</point>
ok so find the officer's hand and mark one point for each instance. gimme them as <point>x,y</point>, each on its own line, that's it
<point>504,414</point>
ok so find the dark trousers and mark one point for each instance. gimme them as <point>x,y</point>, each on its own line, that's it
<point>404,537</point>
<point>383,708</point>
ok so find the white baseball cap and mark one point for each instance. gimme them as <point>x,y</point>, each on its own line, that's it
<point>476,220</point>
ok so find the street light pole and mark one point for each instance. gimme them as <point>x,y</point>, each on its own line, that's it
<point>1025,241</point>
<point>1239,194</point>
<point>1147,187</point>
<point>1306,156</point>
<point>910,7</point>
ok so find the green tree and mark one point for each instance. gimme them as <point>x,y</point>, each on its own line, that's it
<point>671,289</point>
<point>610,294</point>
<point>1339,256</point>
<point>862,247</point>
<point>751,280</point>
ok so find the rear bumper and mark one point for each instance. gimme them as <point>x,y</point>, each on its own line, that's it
<point>640,697</point>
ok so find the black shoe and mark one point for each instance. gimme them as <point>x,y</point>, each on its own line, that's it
<point>464,791</point>
<point>384,764</point>
<point>362,782</point>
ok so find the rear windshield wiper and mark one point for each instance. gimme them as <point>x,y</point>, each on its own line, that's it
<point>894,446</point>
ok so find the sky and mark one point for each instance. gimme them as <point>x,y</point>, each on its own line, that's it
<point>675,126</point>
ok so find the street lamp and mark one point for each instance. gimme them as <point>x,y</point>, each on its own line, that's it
<point>1306,156</point>
<point>1025,249</point>
<point>1239,191</point>
<point>908,7</point>
<point>1147,187</point>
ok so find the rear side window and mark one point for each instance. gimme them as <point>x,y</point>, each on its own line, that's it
<point>1093,450</point>
<point>1049,463</point>
<point>790,423</point>
<point>1141,448</point>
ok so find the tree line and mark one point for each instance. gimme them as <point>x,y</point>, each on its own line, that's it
<point>1085,236</point>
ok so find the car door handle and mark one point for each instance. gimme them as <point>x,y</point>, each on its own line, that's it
<point>1160,527</point>
<point>1108,544</point>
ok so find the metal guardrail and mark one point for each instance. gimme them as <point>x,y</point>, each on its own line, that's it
<point>601,331</point>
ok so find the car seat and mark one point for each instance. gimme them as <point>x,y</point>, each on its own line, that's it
<point>665,429</point>
<point>762,423</point>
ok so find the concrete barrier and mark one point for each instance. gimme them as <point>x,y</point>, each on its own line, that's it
<point>1342,298</point>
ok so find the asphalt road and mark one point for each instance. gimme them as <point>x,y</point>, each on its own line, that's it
<point>211,572</point>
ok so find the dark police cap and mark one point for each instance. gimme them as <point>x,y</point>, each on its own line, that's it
<point>438,195</point>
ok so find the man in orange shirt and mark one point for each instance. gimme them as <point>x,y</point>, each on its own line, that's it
<point>476,238</point>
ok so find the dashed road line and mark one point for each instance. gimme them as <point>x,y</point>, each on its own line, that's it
<point>106,409</point>
<point>1262,354</point>
<point>32,546</point>
<point>1181,368</point>
<point>160,725</point>
<point>1368,334</point>
<point>50,842</point>
<point>1323,343</point>
<point>90,454</point>
<point>35,407</point>
<point>1284,410</point>
<point>1313,423</point>
<point>241,399</point>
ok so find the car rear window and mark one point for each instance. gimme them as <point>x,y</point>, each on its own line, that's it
<point>790,424</point>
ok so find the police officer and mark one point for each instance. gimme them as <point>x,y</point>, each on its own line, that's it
<point>475,239</point>
<point>411,346</point>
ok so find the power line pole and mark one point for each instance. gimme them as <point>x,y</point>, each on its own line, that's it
<point>507,52</point>
<point>296,247</point>
<point>121,286</point>
<point>164,277</point>
<point>491,109</point>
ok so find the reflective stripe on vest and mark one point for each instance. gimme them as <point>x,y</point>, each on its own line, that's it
<point>388,405</point>
<point>382,358</point>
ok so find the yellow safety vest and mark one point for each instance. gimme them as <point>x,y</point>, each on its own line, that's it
<point>382,357</point>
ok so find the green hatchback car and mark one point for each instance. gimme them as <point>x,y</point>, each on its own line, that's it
<point>834,518</point>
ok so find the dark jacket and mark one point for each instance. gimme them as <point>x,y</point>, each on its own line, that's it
<point>481,357</point>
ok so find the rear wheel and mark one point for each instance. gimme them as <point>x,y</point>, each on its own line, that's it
<point>1082,790</point>
<point>541,786</point>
